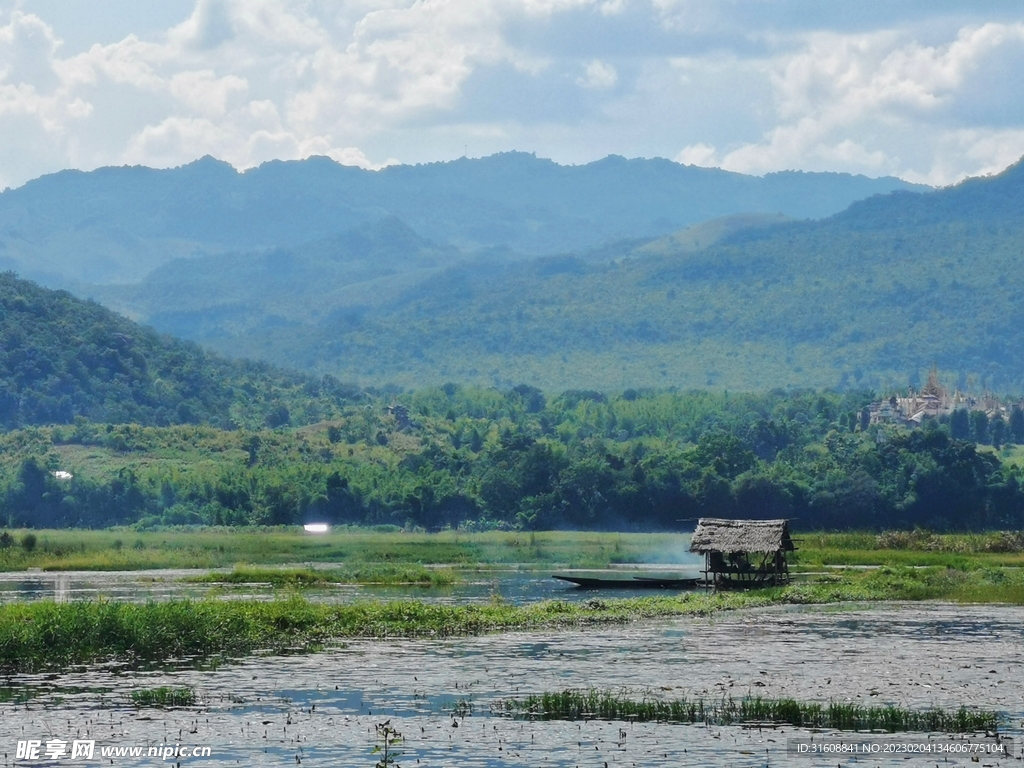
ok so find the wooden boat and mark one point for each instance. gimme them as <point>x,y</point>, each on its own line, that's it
<point>625,581</point>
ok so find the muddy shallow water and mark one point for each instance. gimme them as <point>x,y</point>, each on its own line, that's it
<point>320,708</point>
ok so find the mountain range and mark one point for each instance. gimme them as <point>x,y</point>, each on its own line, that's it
<point>512,270</point>
<point>868,298</point>
<point>116,225</point>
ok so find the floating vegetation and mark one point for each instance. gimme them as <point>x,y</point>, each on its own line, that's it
<point>164,697</point>
<point>16,694</point>
<point>47,634</point>
<point>603,705</point>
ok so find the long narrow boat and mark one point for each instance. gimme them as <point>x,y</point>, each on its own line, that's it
<point>617,581</point>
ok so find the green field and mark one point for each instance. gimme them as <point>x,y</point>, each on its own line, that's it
<point>221,547</point>
<point>967,551</point>
<point>129,549</point>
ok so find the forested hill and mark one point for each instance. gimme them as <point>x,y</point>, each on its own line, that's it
<point>62,358</point>
<point>985,200</point>
<point>871,297</point>
<point>115,225</point>
<point>230,294</point>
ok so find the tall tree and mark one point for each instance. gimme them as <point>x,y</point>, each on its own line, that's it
<point>979,427</point>
<point>1017,425</point>
<point>997,429</point>
<point>959,424</point>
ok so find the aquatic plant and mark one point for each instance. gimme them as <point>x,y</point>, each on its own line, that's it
<point>604,705</point>
<point>163,697</point>
<point>389,739</point>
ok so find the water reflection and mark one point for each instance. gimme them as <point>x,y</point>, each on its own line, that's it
<point>62,587</point>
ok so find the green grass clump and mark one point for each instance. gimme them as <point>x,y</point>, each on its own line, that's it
<point>592,704</point>
<point>284,577</point>
<point>164,697</point>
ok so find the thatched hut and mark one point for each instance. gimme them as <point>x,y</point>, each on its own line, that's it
<point>743,553</point>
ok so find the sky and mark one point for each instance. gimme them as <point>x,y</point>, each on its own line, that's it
<point>931,91</point>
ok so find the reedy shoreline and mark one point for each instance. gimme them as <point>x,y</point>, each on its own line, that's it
<point>48,635</point>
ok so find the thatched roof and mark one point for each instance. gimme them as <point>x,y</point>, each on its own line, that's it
<point>716,535</point>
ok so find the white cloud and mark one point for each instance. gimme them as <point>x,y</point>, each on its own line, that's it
<point>353,156</point>
<point>250,80</point>
<point>27,46</point>
<point>879,103</point>
<point>204,92</point>
<point>599,76</point>
<point>612,7</point>
<point>698,154</point>
<point>747,85</point>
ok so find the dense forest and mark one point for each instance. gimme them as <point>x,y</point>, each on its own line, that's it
<point>481,458</point>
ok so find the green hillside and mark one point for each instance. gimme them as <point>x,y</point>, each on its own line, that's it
<point>868,298</point>
<point>62,358</point>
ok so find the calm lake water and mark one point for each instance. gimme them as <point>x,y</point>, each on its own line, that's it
<point>320,709</point>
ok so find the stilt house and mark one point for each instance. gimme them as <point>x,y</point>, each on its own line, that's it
<point>743,553</point>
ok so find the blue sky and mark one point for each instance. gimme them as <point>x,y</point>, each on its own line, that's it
<point>929,91</point>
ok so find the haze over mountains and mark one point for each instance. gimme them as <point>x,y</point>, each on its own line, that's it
<point>514,270</point>
<point>867,298</point>
<point>115,225</point>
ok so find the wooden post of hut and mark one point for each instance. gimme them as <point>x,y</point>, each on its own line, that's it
<point>743,553</point>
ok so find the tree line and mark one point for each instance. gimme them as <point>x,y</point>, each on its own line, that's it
<point>478,458</point>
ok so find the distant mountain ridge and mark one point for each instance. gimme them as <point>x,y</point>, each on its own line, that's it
<point>237,293</point>
<point>870,297</point>
<point>116,225</point>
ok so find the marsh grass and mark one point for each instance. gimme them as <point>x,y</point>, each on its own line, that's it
<point>164,697</point>
<point>604,705</point>
<point>911,548</point>
<point>299,578</point>
<point>127,549</point>
<point>213,547</point>
<point>53,635</point>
